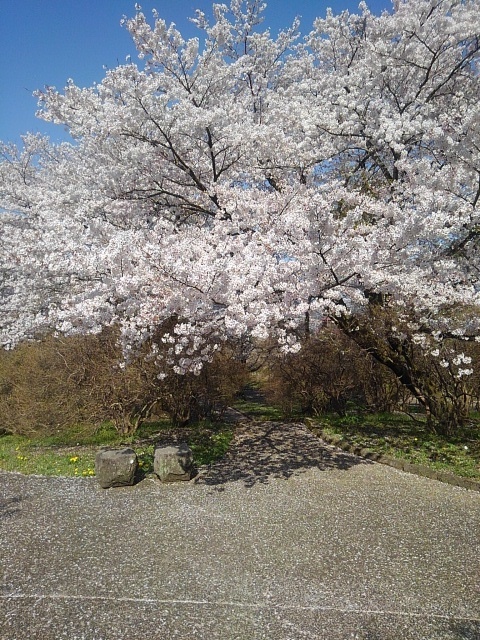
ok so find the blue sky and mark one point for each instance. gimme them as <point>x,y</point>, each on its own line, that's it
<point>45,42</point>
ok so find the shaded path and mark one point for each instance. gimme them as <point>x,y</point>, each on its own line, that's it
<point>262,451</point>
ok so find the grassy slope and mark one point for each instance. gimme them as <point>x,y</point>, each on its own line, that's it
<point>401,437</point>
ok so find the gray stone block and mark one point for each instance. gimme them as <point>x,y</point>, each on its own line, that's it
<point>174,463</point>
<point>371,455</point>
<point>428,472</point>
<point>116,467</point>
<point>396,463</point>
<point>410,467</point>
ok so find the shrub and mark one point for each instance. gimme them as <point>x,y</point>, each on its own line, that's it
<point>58,382</point>
<point>38,392</point>
<point>328,373</point>
<point>190,398</point>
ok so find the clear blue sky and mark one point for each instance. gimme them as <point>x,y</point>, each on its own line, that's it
<point>45,42</point>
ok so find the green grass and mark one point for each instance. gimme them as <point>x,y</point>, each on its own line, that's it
<point>72,452</point>
<point>18,453</point>
<point>258,411</point>
<point>208,442</point>
<point>400,437</point>
<point>75,436</point>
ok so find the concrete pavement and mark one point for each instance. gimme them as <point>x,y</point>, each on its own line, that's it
<point>285,539</point>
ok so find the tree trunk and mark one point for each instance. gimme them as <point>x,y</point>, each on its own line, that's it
<point>444,412</point>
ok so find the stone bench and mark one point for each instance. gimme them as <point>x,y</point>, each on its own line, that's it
<point>173,463</point>
<point>116,467</point>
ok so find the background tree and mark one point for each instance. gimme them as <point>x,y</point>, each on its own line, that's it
<point>245,184</point>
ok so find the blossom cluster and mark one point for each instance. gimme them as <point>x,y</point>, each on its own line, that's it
<point>239,183</point>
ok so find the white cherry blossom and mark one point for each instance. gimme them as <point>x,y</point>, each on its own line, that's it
<point>244,184</point>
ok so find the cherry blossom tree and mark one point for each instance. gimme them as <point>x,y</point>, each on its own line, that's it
<point>244,184</point>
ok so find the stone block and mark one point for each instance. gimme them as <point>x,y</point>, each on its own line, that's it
<point>115,467</point>
<point>396,463</point>
<point>174,463</point>
<point>365,452</point>
<point>428,472</point>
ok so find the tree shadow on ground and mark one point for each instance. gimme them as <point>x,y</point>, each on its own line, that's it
<point>261,451</point>
<point>9,507</point>
<point>465,629</point>
<point>425,627</point>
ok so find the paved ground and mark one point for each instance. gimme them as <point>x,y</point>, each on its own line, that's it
<point>286,539</point>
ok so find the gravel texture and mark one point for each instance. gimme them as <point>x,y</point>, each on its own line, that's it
<point>286,538</point>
